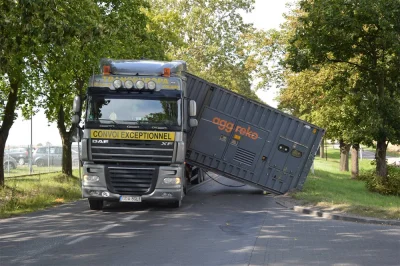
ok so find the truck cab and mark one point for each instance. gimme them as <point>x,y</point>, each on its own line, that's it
<point>136,120</point>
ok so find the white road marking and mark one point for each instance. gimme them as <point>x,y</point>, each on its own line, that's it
<point>129,218</point>
<point>105,228</point>
<point>78,240</point>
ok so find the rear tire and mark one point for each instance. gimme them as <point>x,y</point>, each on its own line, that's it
<point>96,205</point>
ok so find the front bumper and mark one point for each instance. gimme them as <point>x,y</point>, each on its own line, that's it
<point>160,191</point>
<point>160,194</point>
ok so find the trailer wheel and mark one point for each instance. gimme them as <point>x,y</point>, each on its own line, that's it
<point>202,176</point>
<point>96,205</point>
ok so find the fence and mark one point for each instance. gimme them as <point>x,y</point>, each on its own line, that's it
<point>23,161</point>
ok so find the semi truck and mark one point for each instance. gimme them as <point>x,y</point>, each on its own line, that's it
<point>151,128</point>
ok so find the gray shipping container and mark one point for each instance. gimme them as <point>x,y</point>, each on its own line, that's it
<point>248,141</point>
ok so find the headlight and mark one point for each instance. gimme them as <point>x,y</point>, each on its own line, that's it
<point>117,84</point>
<point>129,84</point>
<point>151,85</point>
<point>139,84</point>
<point>91,178</point>
<point>172,180</point>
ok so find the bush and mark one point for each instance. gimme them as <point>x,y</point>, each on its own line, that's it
<point>377,184</point>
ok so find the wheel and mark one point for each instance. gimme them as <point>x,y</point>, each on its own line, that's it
<point>96,205</point>
<point>40,163</point>
<point>202,175</point>
<point>176,204</point>
<point>5,165</point>
<point>199,178</point>
<point>21,161</point>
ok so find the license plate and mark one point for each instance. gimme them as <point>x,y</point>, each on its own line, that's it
<point>130,199</point>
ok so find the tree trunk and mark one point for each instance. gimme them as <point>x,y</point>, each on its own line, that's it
<point>355,161</point>
<point>380,157</point>
<point>66,143</point>
<point>2,146</point>
<point>322,148</point>
<point>8,121</point>
<point>344,156</point>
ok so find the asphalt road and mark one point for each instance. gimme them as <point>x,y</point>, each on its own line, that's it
<point>216,225</point>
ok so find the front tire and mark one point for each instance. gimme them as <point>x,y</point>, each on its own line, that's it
<point>21,161</point>
<point>96,205</point>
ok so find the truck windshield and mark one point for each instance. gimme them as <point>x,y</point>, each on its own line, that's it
<point>164,112</point>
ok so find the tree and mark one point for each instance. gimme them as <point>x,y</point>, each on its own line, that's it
<point>212,38</point>
<point>114,28</point>
<point>364,36</point>
<point>21,44</point>
<point>324,96</point>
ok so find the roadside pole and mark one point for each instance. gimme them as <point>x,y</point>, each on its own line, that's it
<point>79,156</point>
<point>48,157</point>
<point>30,149</point>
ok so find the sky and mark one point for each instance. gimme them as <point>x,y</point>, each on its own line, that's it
<point>267,14</point>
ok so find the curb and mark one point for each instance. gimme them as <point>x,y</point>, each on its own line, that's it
<point>337,216</point>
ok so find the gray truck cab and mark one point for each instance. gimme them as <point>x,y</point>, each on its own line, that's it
<point>133,145</point>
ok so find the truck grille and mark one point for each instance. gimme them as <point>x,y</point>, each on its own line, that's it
<point>132,152</point>
<point>131,181</point>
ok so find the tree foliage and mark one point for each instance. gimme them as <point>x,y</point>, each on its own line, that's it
<point>363,36</point>
<point>23,41</point>
<point>114,28</point>
<point>212,38</point>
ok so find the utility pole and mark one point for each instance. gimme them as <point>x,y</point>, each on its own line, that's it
<point>30,150</point>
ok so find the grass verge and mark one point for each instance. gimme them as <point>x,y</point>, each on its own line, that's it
<point>331,189</point>
<point>27,194</point>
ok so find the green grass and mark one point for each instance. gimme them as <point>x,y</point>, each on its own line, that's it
<point>32,193</point>
<point>330,188</point>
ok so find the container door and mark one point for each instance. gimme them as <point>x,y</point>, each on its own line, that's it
<point>212,134</point>
<point>297,155</point>
<point>280,153</point>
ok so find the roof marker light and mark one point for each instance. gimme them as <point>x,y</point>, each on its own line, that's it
<point>167,72</point>
<point>106,70</point>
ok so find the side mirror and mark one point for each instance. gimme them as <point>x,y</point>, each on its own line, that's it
<point>192,108</point>
<point>75,119</point>
<point>76,107</point>
<point>193,122</point>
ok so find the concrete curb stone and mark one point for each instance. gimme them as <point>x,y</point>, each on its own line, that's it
<point>334,215</point>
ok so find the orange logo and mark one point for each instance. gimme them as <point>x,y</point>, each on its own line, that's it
<point>228,127</point>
